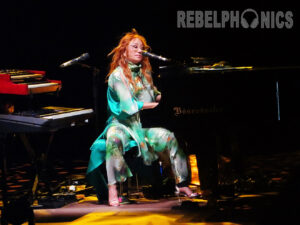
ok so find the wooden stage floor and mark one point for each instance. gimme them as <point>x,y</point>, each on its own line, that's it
<point>267,194</point>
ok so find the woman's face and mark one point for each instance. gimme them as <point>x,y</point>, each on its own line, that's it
<point>134,51</point>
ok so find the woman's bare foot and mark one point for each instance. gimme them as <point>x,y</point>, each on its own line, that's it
<point>186,191</point>
<point>113,199</point>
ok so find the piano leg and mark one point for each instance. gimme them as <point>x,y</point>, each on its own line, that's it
<point>219,160</point>
<point>208,173</point>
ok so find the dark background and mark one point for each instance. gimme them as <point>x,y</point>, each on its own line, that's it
<point>41,35</point>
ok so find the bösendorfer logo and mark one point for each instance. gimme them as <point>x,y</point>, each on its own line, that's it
<point>247,19</point>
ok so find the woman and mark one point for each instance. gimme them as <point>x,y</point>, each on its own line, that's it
<point>130,90</point>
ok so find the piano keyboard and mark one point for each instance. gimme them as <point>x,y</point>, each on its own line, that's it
<point>43,87</point>
<point>32,86</point>
<point>15,78</point>
<point>26,82</point>
<point>63,115</point>
<point>54,119</point>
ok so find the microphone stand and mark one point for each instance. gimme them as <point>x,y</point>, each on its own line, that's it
<point>101,184</point>
<point>95,73</point>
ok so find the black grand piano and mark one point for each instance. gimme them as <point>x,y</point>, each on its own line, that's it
<point>216,109</point>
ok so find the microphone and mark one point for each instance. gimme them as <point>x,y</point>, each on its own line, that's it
<point>75,60</point>
<point>151,55</point>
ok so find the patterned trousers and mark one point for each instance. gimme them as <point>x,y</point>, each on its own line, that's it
<point>160,142</point>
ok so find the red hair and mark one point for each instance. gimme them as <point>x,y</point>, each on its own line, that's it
<point>118,58</point>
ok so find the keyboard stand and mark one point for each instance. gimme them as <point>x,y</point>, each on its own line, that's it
<point>40,166</point>
<point>10,210</point>
<point>40,163</point>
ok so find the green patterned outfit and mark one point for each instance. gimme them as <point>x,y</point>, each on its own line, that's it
<point>124,131</point>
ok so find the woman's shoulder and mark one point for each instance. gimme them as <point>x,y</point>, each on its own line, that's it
<point>115,75</point>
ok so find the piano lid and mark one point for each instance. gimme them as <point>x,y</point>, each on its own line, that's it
<point>203,65</point>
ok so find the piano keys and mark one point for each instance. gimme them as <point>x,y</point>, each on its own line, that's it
<point>46,119</point>
<point>26,82</point>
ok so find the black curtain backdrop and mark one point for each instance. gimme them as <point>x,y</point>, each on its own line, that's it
<point>43,34</point>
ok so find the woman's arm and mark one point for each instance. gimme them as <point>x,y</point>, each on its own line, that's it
<point>157,94</point>
<point>158,98</point>
<point>149,105</point>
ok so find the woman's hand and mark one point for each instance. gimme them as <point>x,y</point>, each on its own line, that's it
<point>158,98</point>
<point>149,105</point>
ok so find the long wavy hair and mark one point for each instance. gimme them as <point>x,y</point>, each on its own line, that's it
<point>119,59</point>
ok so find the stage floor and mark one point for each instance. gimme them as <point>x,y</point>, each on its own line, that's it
<point>266,194</point>
<point>252,209</point>
<point>238,210</point>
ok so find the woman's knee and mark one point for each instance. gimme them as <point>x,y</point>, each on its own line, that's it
<point>115,139</point>
<point>173,145</point>
<point>114,145</point>
<point>159,134</point>
<point>161,139</point>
